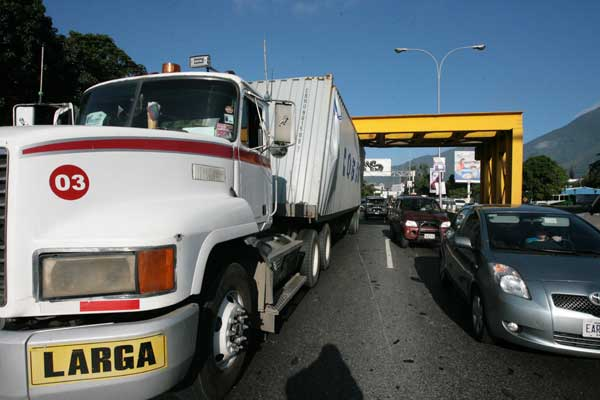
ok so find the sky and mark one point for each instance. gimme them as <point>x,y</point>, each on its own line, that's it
<point>542,56</point>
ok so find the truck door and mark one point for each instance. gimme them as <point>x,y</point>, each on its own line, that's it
<point>254,161</point>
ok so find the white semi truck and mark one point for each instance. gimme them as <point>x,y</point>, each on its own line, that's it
<point>145,245</point>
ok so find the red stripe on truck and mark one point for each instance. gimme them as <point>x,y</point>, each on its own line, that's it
<point>109,305</point>
<point>168,145</point>
<point>178,146</point>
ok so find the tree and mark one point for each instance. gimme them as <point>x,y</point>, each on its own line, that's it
<point>96,58</point>
<point>367,189</point>
<point>592,179</point>
<point>422,179</point>
<point>24,27</point>
<point>542,177</point>
<point>459,190</point>
<point>71,64</point>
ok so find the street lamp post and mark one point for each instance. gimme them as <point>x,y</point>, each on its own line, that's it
<point>438,68</point>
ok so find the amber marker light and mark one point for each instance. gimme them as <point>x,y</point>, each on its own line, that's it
<point>156,270</point>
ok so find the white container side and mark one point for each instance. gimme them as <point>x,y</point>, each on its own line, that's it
<point>319,176</point>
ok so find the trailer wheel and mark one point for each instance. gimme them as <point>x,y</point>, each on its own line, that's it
<point>225,335</point>
<point>325,246</point>
<point>310,263</point>
<point>355,223</point>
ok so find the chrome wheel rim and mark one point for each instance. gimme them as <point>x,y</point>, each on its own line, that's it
<point>228,335</point>
<point>315,266</point>
<point>327,247</point>
<point>477,315</point>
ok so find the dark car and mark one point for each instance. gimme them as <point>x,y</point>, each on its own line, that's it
<point>417,219</point>
<point>530,275</point>
<point>375,206</point>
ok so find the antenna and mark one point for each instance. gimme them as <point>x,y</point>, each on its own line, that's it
<point>268,95</point>
<point>265,58</point>
<point>41,93</point>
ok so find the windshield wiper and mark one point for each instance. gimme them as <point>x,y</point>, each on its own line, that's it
<point>551,251</point>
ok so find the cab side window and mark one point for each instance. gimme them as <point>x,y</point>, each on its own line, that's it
<point>251,133</point>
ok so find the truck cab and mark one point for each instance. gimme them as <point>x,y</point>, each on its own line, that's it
<point>143,242</point>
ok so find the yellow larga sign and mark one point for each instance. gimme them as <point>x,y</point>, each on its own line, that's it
<point>91,361</point>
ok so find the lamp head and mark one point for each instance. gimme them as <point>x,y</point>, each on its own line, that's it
<point>399,50</point>
<point>479,47</point>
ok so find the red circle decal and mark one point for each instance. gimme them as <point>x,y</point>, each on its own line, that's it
<point>69,182</point>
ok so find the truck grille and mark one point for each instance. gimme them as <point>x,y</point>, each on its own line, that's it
<point>569,339</point>
<point>576,303</point>
<point>3,197</point>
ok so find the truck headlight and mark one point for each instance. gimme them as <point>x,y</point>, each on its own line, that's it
<point>510,281</point>
<point>445,224</point>
<point>67,275</point>
<point>410,223</point>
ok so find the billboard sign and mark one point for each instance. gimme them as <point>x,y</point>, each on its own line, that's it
<point>378,167</point>
<point>466,167</point>
<point>439,164</point>
<point>434,183</point>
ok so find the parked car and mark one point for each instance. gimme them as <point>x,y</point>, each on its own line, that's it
<point>459,203</point>
<point>375,206</point>
<point>531,275</point>
<point>417,219</point>
<point>448,205</point>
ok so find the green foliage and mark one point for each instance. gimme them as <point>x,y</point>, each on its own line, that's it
<point>422,179</point>
<point>592,179</point>
<point>24,27</point>
<point>71,64</point>
<point>96,58</point>
<point>459,190</point>
<point>367,190</point>
<point>542,177</point>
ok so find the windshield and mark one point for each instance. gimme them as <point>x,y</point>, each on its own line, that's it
<point>535,232</point>
<point>376,201</point>
<point>198,106</point>
<point>420,204</point>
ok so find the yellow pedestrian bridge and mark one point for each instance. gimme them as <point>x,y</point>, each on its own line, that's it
<point>496,136</point>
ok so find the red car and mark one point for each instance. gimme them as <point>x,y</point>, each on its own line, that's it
<point>417,219</point>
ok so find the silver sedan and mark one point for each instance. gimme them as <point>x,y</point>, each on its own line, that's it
<point>530,274</point>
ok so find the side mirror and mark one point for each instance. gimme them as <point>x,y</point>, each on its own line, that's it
<point>283,130</point>
<point>463,242</point>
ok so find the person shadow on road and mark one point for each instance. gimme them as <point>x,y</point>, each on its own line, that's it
<point>328,377</point>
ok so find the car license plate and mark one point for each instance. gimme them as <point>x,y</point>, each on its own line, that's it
<point>591,328</point>
<point>73,362</point>
<point>429,236</point>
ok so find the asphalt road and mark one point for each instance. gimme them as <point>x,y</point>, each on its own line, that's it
<point>367,331</point>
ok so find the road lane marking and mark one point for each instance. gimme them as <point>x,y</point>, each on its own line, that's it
<point>374,300</point>
<point>388,254</point>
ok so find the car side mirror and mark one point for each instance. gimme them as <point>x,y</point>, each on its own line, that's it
<point>283,130</point>
<point>463,242</point>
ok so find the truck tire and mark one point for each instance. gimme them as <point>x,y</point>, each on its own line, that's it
<point>355,223</point>
<point>230,308</point>
<point>325,246</point>
<point>310,267</point>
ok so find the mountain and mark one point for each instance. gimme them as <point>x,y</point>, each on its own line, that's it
<point>574,145</point>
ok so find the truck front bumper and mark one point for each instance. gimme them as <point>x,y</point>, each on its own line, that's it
<point>92,350</point>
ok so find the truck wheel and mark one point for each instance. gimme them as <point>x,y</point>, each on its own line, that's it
<point>310,263</point>
<point>354,223</point>
<point>325,246</point>
<point>224,333</point>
